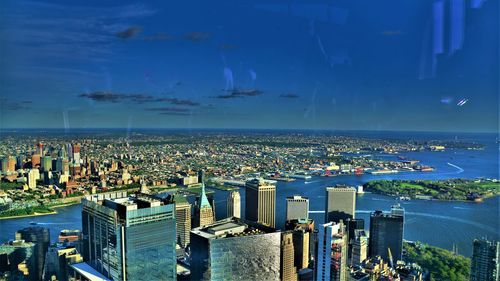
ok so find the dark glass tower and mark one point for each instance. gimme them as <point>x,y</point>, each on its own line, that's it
<point>386,232</point>
<point>40,236</point>
<point>129,238</point>
<point>485,260</point>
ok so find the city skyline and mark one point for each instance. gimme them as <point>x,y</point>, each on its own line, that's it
<point>130,65</point>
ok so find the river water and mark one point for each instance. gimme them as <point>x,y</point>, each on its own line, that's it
<point>438,223</point>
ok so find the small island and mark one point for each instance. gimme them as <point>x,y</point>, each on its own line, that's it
<point>451,189</point>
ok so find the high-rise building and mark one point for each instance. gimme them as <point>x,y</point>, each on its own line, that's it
<point>351,226</point>
<point>33,176</point>
<point>233,204</point>
<point>76,154</point>
<point>183,220</point>
<point>332,252</point>
<point>386,232</point>
<point>40,236</point>
<point>47,163</point>
<point>58,259</point>
<point>288,268</point>
<point>129,237</point>
<point>35,160</point>
<point>359,251</point>
<point>234,248</point>
<point>297,208</point>
<point>260,202</point>
<point>303,243</point>
<point>204,214</point>
<point>11,164</point>
<point>17,259</point>
<point>485,260</point>
<point>340,203</point>
<point>39,148</point>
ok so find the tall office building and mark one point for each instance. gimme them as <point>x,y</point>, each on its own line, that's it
<point>40,236</point>
<point>234,204</point>
<point>386,232</point>
<point>332,252</point>
<point>182,220</point>
<point>302,241</point>
<point>46,163</point>
<point>351,226</point>
<point>57,262</point>
<point>340,203</point>
<point>204,214</point>
<point>485,260</point>
<point>35,160</point>
<point>129,238</point>
<point>33,176</point>
<point>234,248</point>
<point>288,268</point>
<point>297,208</point>
<point>17,259</point>
<point>359,251</point>
<point>260,202</point>
<point>76,154</point>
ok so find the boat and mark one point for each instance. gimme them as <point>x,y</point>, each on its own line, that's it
<point>33,223</point>
<point>404,198</point>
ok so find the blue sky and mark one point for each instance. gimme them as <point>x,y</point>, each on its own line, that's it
<point>360,65</point>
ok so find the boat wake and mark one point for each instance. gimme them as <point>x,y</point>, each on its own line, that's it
<point>459,170</point>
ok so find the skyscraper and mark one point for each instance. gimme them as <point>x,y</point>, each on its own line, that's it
<point>233,204</point>
<point>485,260</point>
<point>76,154</point>
<point>386,232</point>
<point>47,163</point>
<point>183,220</point>
<point>204,214</point>
<point>40,236</point>
<point>359,251</point>
<point>288,269</point>
<point>332,252</point>
<point>297,207</point>
<point>260,202</point>
<point>340,203</point>
<point>234,248</point>
<point>302,241</point>
<point>129,238</point>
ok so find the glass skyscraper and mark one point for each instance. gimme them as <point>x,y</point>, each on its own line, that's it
<point>386,232</point>
<point>485,260</point>
<point>129,238</point>
<point>235,249</point>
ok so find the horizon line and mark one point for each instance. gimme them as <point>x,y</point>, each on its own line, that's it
<point>255,129</point>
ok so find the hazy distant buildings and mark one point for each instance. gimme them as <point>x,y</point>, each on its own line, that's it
<point>288,269</point>
<point>182,220</point>
<point>386,232</point>
<point>129,238</point>
<point>234,204</point>
<point>297,207</point>
<point>485,260</point>
<point>332,252</point>
<point>260,202</point>
<point>233,249</point>
<point>41,237</point>
<point>340,203</point>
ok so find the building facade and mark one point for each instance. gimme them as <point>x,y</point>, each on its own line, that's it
<point>332,252</point>
<point>288,269</point>
<point>234,204</point>
<point>260,202</point>
<point>233,249</point>
<point>40,236</point>
<point>182,220</point>
<point>129,237</point>
<point>340,204</point>
<point>485,260</point>
<point>386,232</point>
<point>297,207</point>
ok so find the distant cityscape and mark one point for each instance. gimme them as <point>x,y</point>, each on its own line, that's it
<point>148,209</point>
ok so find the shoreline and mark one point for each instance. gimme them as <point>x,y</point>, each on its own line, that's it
<point>433,199</point>
<point>54,212</point>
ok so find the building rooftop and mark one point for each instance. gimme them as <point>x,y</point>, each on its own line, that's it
<point>232,227</point>
<point>88,272</point>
